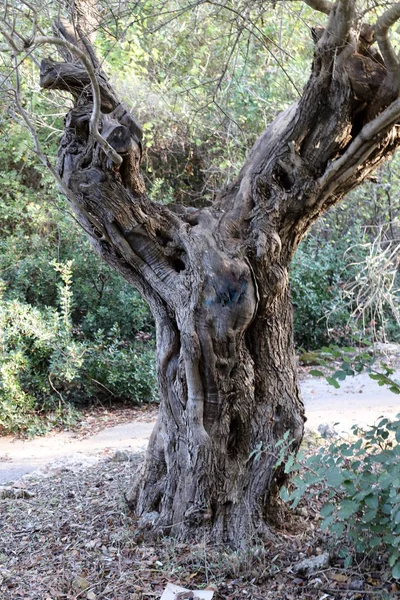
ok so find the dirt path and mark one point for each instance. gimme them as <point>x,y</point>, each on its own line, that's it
<point>359,400</point>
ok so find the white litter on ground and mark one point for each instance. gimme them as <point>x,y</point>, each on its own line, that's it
<point>174,592</point>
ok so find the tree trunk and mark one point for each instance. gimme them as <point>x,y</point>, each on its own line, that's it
<point>227,384</point>
<point>216,278</point>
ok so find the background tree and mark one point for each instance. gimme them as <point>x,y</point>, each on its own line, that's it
<point>216,277</point>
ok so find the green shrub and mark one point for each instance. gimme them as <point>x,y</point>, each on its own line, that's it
<point>65,340</point>
<point>361,483</point>
<point>343,362</point>
<point>125,371</point>
<point>320,316</point>
<point>47,365</point>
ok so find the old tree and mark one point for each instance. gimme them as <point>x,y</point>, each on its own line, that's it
<point>216,278</point>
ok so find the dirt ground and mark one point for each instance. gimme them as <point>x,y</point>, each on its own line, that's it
<point>68,534</point>
<point>66,531</point>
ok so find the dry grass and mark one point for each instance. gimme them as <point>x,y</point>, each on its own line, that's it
<point>74,539</point>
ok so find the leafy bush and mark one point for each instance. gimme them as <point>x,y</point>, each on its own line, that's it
<point>361,483</point>
<point>345,290</point>
<point>47,364</point>
<point>320,316</point>
<point>65,340</point>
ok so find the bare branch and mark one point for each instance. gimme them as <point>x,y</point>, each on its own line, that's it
<point>383,24</point>
<point>8,36</point>
<point>323,6</point>
<point>19,44</point>
<point>340,21</point>
<point>95,118</point>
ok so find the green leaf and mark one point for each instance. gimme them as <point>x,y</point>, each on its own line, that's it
<point>369,515</point>
<point>333,382</point>
<point>327,509</point>
<point>326,523</point>
<point>316,373</point>
<point>379,378</point>
<point>341,375</point>
<point>375,541</point>
<point>285,495</point>
<point>396,571</point>
<point>337,528</point>
<point>371,501</point>
<point>289,464</point>
<point>334,477</point>
<point>348,508</point>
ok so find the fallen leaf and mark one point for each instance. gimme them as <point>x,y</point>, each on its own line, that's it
<point>80,583</point>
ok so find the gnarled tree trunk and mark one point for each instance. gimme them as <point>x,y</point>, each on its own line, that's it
<point>216,278</point>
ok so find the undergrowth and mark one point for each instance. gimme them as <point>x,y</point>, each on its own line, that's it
<point>360,479</point>
<point>48,369</point>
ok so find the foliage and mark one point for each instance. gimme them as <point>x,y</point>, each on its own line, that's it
<point>361,484</point>
<point>71,329</point>
<point>47,365</point>
<point>374,291</point>
<point>345,275</point>
<point>200,116</point>
<point>204,83</point>
<point>317,271</point>
<point>348,361</point>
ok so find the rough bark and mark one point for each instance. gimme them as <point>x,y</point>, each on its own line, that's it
<point>216,278</point>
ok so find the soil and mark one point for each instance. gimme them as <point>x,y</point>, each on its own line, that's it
<point>71,536</point>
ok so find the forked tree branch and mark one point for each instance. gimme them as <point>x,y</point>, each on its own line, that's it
<point>341,16</point>
<point>383,24</point>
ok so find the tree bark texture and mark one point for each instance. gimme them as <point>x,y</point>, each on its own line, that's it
<point>216,278</point>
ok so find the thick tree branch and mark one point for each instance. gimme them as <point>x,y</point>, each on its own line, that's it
<point>323,6</point>
<point>359,149</point>
<point>384,23</point>
<point>340,21</point>
<point>74,78</point>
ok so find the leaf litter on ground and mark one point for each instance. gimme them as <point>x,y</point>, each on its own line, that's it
<point>72,537</point>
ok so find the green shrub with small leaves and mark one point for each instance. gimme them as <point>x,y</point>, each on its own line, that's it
<point>316,272</point>
<point>361,484</point>
<point>48,367</point>
<point>349,361</point>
